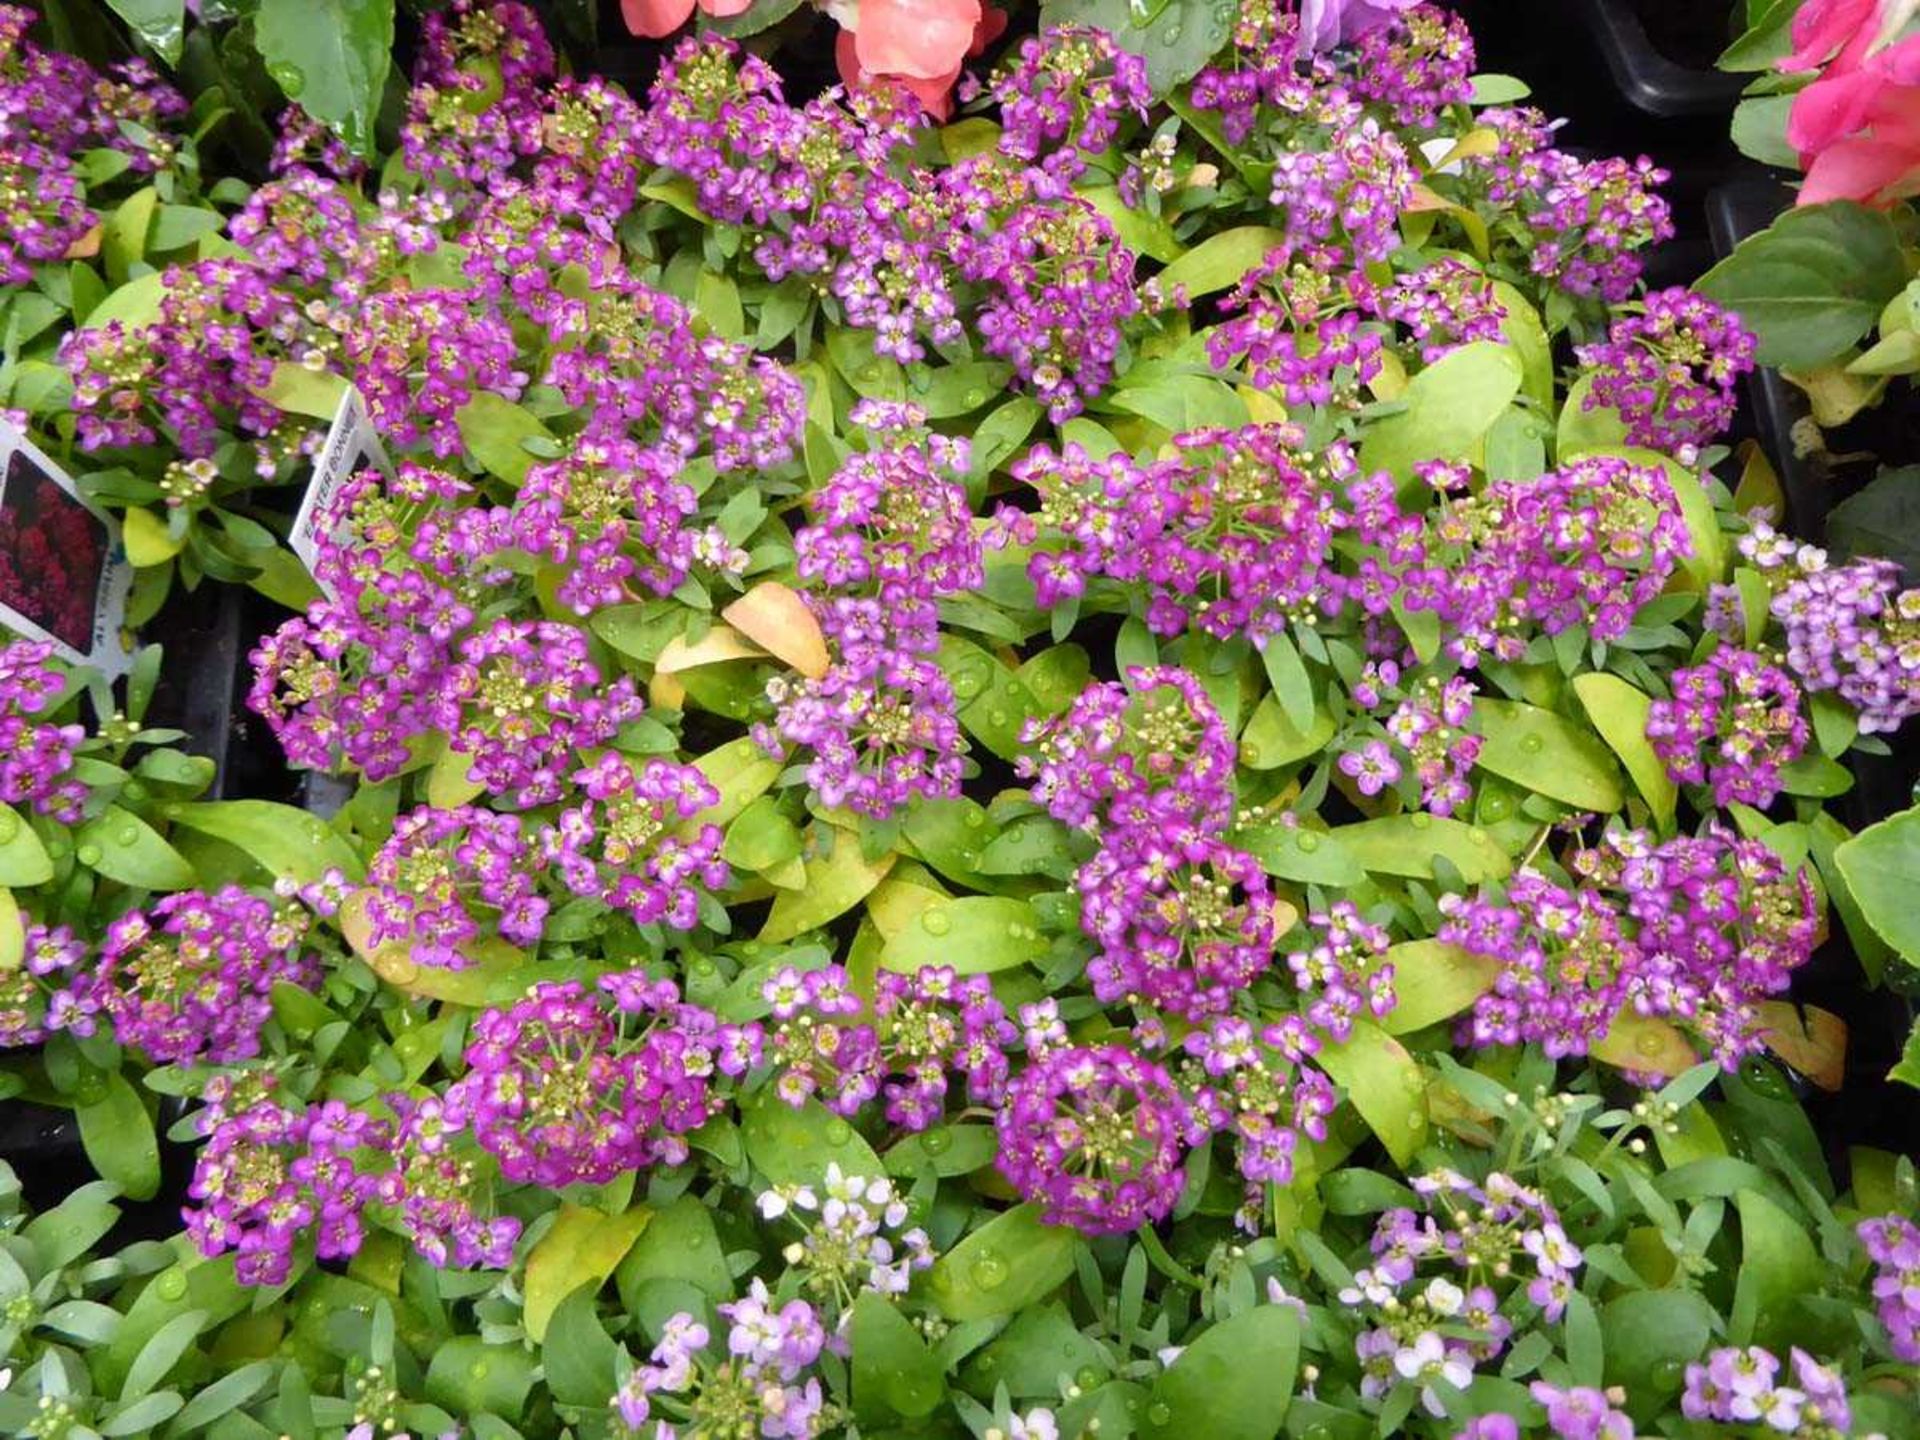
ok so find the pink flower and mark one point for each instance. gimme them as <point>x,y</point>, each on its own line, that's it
<point>1372,767</point>
<point>921,44</point>
<point>657,18</point>
<point>1327,23</point>
<point>1857,127</point>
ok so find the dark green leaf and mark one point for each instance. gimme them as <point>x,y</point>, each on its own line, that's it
<point>1233,1383</point>
<point>330,56</point>
<point>1004,1266</point>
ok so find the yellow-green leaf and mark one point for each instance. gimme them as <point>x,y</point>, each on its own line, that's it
<point>1385,1084</point>
<point>1547,754</point>
<point>583,1248</point>
<point>838,879</point>
<point>147,538</point>
<point>976,935</point>
<point>1434,981</point>
<point>1619,712</point>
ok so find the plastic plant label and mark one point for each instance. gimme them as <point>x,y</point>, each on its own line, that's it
<point>64,574</point>
<point>351,446</point>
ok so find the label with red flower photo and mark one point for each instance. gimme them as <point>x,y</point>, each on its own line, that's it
<point>351,447</point>
<point>64,574</point>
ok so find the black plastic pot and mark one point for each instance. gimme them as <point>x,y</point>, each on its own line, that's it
<point>1650,79</point>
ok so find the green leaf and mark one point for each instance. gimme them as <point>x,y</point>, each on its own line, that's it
<point>1385,1084</point>
<point>1233,1383</point>
<point>837,880</point>
<point>1406,845</point>
<point>581,1249</point>
<point>1033,1352</point>
<point>1498,90</point>
<point>469,1374</point>
<point>1778,1263</point>
<point>761,838</point>
<point>222,1396</point>
<point>1220,261</point>
<point>1651,1335</point>
<point>1003,1267</point>
<point>300,390</point>
<point>123,847</point>
<point>794,1145</point>
<point>579,1358</point>
<point>1141,232</point>
<point>117,1134</point>
<point>1907,1068</point>
<point>1813,282</point>
<point>681,1244</point>
<point>894,1373</point>
<point>147,537</point>
<point>1619,712</point>
<point>161,1353</point>
<point>1881,866</point>
<point>496,431</point>
<point>159,23</point>
<point>994,704</point>
<point>1584,428</point>
<point>124,240</point>
<point>977,935</point>
<point>1547,754</point>
<point>134,305</point>
<point>177,226</point>
<point>1882,519</point>
<point>1292,686</point>
<point>288,843</point>
<point>1528,338</point>
<point>1175,37</point>
<point>1767,41</point>
<point>1311,857</point>
<point>330,56</point>
<point>1271,740</point>
<point>24,861</point>
<point>1450,406</point>
<point>951,390</point>
<point>1760,130</point>
<point>1434,981</point>
<point>944,1150</point>
<point>742,772</point>
<point>1178,403</point>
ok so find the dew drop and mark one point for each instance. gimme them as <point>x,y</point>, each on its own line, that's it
<point>1480,837</point>
<point>1250,755</point>
<point>936,1142</point>
<point>396,969</point>
<point>975,819</point>
<point>1533,744</point>
<point>478,1370</point>
<point>171,1286</point>
<point>290,80</point>
<point>1159,1414</point>
<point>838,1132</point>
<point>966,684</point>
<point>1307,844</point>
<point>125,835</point>
<point>1667,1374</point>
<point>998,717</point>
<point>1087,1378</point>
<point>134,790</point>
<point>989,1272</point>
<point>88,854</point>
<point>936,921</point>
<point>975,399</point>
<point>1496,807</point>
<point>1648,1044</point>
<point>702,966</point>
<point>1422,821</point>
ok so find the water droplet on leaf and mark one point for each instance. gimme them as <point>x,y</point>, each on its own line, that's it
<point>936,921</point>
<point>989,1272</point>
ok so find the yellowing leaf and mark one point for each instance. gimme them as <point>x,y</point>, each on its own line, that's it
<point>583,1248</point>
<point>1811,1040</point>
<point>1619,712</point>
<point>837,880</point>
<point>147,538</point>
<point>1385,1084</point>
<point>776,619</point>
<point>719,645</point>
<point>1434,981</point>
<point>1642,1043</point>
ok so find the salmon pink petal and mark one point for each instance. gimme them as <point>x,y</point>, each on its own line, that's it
<point>993,24</point>
<point>724,9</point>
<point>1863,170</point>
<point>1824,26</point>
<point>655,19</point>
<point>935,95</point>
<point>915,39</point>
<point>1832,108</point>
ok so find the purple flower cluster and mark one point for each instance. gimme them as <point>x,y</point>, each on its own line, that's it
<point>1099,1136</point>
<point>1893,1244</point>
<point>36,758</point>
<point>1746,1387</point>
<point>1301,331</point>
<point>476,102</point>
<point>759,1384</point>
<point>1849,628</point>
<point>1070,84</point>
<point>271,1174</point>
<point>192,979</point>
<point>1587,544</point>
<point>441,872</point>
<point>1696,930</point>
<point>1260,1086</point>
<point>1343,203</point>
<point>858,1240</point>
<point>993,246</point>
<point>1671,371</point>
<point>53,107</point>
<point>1495,1236</point>
<point>194,374</point>
<point>1417,64</point>
<point>624,845</point>
<point>1429,724</point>
<point>1182,921</point>
<point>892,535</point>
<point>577,1085</point>
<point>1732,723</point>
<point>1150,751</point>
<point>1444,305</point>
<point>45,992</point>
<point>1343,973</point>
<point>926,1029</point>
